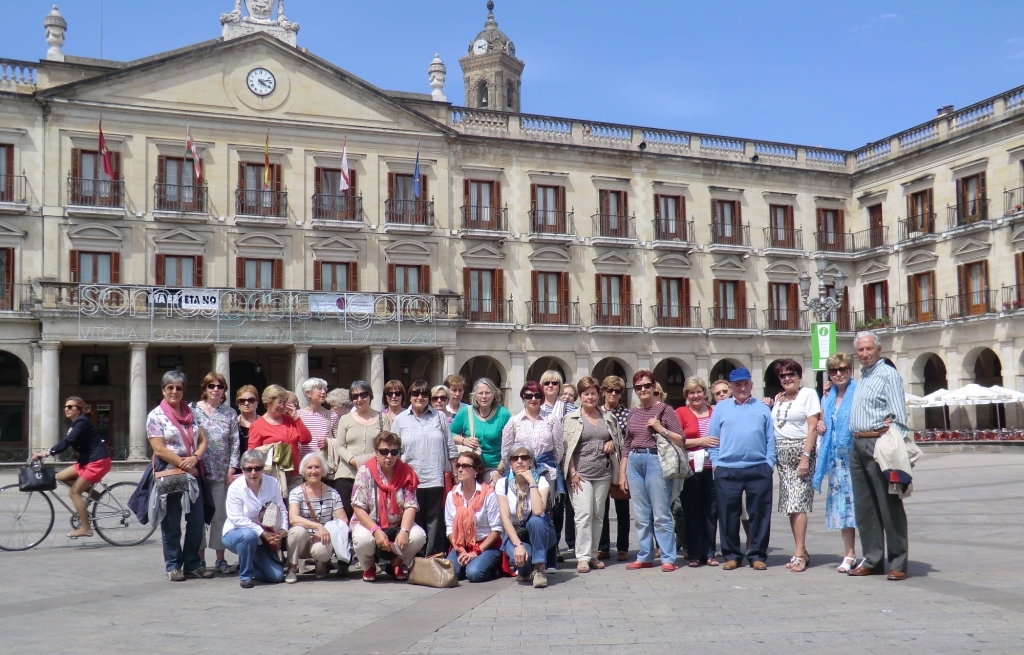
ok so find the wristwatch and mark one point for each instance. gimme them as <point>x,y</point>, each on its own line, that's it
<point>806,454</point>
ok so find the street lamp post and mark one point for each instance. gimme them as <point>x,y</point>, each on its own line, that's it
<point>823,305</point>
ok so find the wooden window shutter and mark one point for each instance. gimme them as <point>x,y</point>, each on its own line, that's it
<point>467,285</point>
<point>626,293</point>
<point>498,276</point>
<point>161,169</point>
<point>278,271</point>
<point>605,197</point>
<point>277,177</point>
<point>1019,261</point>
<point>932,293</point>
<point>658,295</point>
<point>597,289</point>
<point>161,271</point>
<point>241,175</point>
<point>353,277</point>
<point>840,222</point>
<point>560,200</point>
<point>533,286</point>
<point>466,196</point>
<point>789,219</point>
<point>929,202</point>
<point>351,191</point>
<point>684,292</point>
<point>657,206</point>
<point>913,293</point>
<point>73,260</point>
<point>741,295</point>
<point>984,275</point>
<point>563,296</point>
<point>115,163</point>
<point>9,185</point>
<point>624,207</point>
<point>391,186</point>
<point>76,163</point>
<point>681,209</point>
<point>869,298</point>
<point>792,301</point>
<point>885,296</point>
<point>240,272</point>
<point>425,279</point>
<point>423,188</point>
<point>718,293</point>
<point>982,185</point>
<point>317,182</point>
<point>737,213</point>
<point>392,286</point>
<point>960,192</point>
<point>961,281</point>
<point>496,196</point>
<point>318,280</point>
<point>714,211</point>
<point>198,267</point>
<point>533,196</point>
<point>9,270</point>
<point>910,209</point>
<point>115,268</point>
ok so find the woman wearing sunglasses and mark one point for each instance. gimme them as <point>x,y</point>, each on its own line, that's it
<point>834,456</point>
<point>220,423</point>
<point>523,506</point>
<point>281,424</point>
<point>795,415</point>
<point>248,401</point>
<point>640,470</point>
<point>245,533</point>
<point>551,384</point>
<point>473,522</point>
<point>439,396</point>
<point>427,447</point>
<point>355,432</point>
<point>394,399</point>
<point>384,510</point>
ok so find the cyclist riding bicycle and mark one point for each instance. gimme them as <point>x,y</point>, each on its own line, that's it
<point>93,460</point>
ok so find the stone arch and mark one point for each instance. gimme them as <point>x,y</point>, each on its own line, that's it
<point>14,407</point>
<point>672,373</point>
<point>928,375</point>
<point>722,368</point>
<point>243,372</point>
<point>772,385</point>
<point>612,366</point>
<point>545,363</point>
<point>483,366</point>
<point>983,366</point>
<point>482,99</point>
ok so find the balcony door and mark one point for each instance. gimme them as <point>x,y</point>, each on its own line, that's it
<point>485,295</point>
<point>176,185</point>
<point>408,279</point>
<point>613,213</point>
<point>7,173</point>
<point>726,222</point>
<point>341,277</point>
<point>548,209</point>
<point>840,317</point>
<point>482,201</point>
<point>973,279</point>
<point>405,206</point>
<point>329,201</point>
<point>90,185</point>
<point>830,230</point>
<point>781,232</point>
<point>876,229</point>
<point>179,271</point>
<point>673,301</point>
<point>550,297</point>
<point>783,306</point>
<point>95,267</point>
<point>730,304</point>
<point>670,217</point>
<point>920,213</point>
<point>613,300</point>
<point>876,301</point>
<point>971,198</point>
<point>256,198</point>
<point>259,273</point>
<point>7,290</point>
<point>921,292</point>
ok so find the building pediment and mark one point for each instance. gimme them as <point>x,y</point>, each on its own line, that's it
<point>408,251</point>
<point>612,262</point>
<point>336,249</point>
<point>95,236</point>
<point>1018,235</point>
<point>179,242</point>
<point>673,263</point>
<point>550,259</point>
<point>260,245</point>
<point>782,271</point>
<point>729,268</point>
<point>920,260</point>
<point>483,256</point>
<point>874,272</point>
<point>8,230</point>
<point>971,250</point>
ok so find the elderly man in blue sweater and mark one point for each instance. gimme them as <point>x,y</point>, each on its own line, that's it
<point>743,457</point>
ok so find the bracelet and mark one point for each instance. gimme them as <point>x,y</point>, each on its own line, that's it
<point>404,530</point>
<point>534,486</point>
<point>806,454</point>
<point>375,529</point>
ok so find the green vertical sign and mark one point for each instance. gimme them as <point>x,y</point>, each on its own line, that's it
<point>823,344</point>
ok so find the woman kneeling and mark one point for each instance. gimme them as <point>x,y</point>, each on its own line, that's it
<point>523,505</point>
<point>473,521</point>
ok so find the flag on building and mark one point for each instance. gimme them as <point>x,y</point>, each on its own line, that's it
<point>108,165</point>
<point>266,163</point>
<point>346,183</point>
<point>190,151</point>
<point>417,188</point>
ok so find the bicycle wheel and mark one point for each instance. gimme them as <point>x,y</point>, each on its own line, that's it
<point>25,518</point>
<point>114,521</point>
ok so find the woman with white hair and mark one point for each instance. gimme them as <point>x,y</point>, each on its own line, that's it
<point>311,505</point>
<point>317,419</point>
<point>478,427</point>
<point>551,383</point>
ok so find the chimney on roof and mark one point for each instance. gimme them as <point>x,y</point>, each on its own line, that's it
<point>943,111</point>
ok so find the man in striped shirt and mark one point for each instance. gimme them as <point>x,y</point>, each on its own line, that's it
<point>878,402</point>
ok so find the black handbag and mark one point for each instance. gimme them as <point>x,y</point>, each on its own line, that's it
<point>37,477</point>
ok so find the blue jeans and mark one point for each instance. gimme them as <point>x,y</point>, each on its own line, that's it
<point>542,535</point>
<point>481,568</point>
<point>651,505</point>
<point>254,559</point>
<point>175,557</point>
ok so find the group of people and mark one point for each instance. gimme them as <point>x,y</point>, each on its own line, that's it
<point>494,492</point>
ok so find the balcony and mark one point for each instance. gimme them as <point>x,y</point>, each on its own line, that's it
<point>916,313</point>
<point>853,245</point>
<point>95,198</point>
<point>876,318</point>
<point>733,318</point>
<point>337,212</point>
<point>551,226</point>
<point>676,317</point>
<point>845,320</point>
<point>615,317</point>
<point>258,207</point>
<point>786,320</point>
<point>553,314</point>
<point>13,194</point>
<point>971,213</point>
<point>484,223</point>
<point>730,237</point>
<point>1013,298</point>
<point>917,230</point>
<point>674,234</point>
<point>14,297</point>
<point>180,203</point>
<point>1013,202</point>
<point>408,216</point>
<point>976,303</point>
<point>783,242</point>
<point>613,230</point>
<point>489,311</point>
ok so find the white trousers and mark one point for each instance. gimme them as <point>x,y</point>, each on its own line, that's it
<point>588,505</point>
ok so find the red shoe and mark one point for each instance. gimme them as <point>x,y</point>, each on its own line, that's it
<point>397,572</point>
<point>668,567</point>
<point>633,566</point>
<point>370,576</point>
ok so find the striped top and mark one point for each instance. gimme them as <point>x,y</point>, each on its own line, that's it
<point>319,426</point>
<point>702,424</point>
<point>638,435</point>
<point>879,394</point>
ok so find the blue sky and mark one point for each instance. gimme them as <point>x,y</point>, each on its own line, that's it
<point>836,74</point>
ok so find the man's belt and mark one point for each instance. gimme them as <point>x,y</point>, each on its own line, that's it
<point>870,435</point>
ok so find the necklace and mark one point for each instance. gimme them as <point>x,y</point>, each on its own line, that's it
<point>490,410</point>
<point>780,417</point>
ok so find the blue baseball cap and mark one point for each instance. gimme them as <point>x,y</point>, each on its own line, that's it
<point>739,374</point>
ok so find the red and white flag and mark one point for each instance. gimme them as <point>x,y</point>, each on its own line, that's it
<point>108,165</point>
<point>191,151</point>
<point>346,184</point>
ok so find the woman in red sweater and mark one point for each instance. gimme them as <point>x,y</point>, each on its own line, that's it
<point>280,423</point>
<point>699,506</point>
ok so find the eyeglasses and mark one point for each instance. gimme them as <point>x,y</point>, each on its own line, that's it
<point>435,399</point>
<point>617,392</point>
<point>533,396</point>
<point>252,469</point>
<point>358,396</point>
<point>394,394</point>
<point>550,383</point>
<point>836,371</point>
<point>174,387</point>
<point>216,386</point>
<point>246,401</point>
<point>419,394</point>
<point>463,465</point>
<point>73,407</point>
<point>786,376</point>
<point>394,452</point>
<point>520,458</point>
<point>646,386</point>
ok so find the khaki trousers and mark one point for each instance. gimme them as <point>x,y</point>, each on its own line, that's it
<point>588,506</point>
<point>302,546</point>
<point>366,547</point>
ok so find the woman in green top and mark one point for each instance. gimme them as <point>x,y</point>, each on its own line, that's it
<point>478,426</point>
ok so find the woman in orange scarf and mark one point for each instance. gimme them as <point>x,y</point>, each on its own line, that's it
<point>474,524</point>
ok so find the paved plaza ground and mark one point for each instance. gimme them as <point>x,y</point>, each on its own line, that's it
<point>965,595</point>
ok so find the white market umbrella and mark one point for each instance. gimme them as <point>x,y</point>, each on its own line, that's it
<point>1014,396</point>
<point>934,399</point>
<point>975,394</point>
<point>916,401</point>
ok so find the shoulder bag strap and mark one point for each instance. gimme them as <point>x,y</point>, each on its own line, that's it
<point>472,423</point>
<point>312,515</point>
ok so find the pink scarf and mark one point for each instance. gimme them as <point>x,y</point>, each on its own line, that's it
<point>183,421</point>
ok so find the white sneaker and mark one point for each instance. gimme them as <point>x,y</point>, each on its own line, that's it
<point>540,580</point>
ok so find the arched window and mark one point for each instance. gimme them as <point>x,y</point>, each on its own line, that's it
<point>481,94</point>
<point>510,95</point>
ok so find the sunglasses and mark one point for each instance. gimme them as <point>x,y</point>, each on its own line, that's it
<point>520,458</point>
<point>216,386</point>
<point>835,371</point>
<point>74,407</point>
<point>394,452</point>
<point>646,386</point>
<point>550,384</point>
<point>533,396</point>
<point>394,394</point>
<point>657,394</point>
<point>614,391</point>
<point>174,388</point>
<point>246,401</point>
<point>359,396</point>
<point>419,394</point>
<point>462,465</point>
<point>252,469</point>
<point>786,376</point>
<point>435,399</point>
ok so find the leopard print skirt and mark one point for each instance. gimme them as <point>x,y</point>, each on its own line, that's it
<point>795,493</point>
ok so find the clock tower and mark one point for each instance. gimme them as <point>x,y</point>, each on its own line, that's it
<point>490,70</point>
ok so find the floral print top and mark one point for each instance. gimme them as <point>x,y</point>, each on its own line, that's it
<point>364,496</point>
<point>222,443</point>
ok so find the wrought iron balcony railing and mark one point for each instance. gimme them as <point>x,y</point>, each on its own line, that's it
<point>85,192</point>
<point>264,204</point>
<point>179,198</point>
<point>13,189</point>
<point>1013,201</point>
<point>409,212</point>
<point>730,234</point>
<point>337,207</point>
<point>967,212</point>
<point>1013,297</point>
<point>915,313</point>
<point>974,303</point>
<point>786,319</point>
<point>783,238</point>
<point>734,318</point>
<point>677,316</point>
<point>672,229</point>
<point>617,315</point>
<point>490,219</point>
<point>553,312</point>
<point>488,310</point>
<point>613,226</point>
<point>913,227</point>
<point>550,221</point>
<point>852,242</point>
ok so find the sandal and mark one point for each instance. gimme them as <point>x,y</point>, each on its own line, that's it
<point>799,564</point>
<point>847,565</point>
<point>583,567</point>
<point>712,561</point>
<point>693,563</point>
<point>597,564</point>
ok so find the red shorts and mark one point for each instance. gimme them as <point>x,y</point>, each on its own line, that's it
<point>93,471</point>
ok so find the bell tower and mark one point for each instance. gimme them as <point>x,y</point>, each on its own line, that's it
<point>490,70</point>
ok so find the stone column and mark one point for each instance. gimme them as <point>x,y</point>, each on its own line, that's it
<point>449,363</point>
<point>1008,358</point>
<point>703,371</point>
<point>376,376</point>
<point>757,372</point>
<point>222,362</point>
<point>300,371</point>
<point>582,367</point>
<point>138,410</point>
<point>953,367</point>
<point>49,396</point>
<point>516,380</point>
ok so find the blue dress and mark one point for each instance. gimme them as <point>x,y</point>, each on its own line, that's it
<point>834,460</point>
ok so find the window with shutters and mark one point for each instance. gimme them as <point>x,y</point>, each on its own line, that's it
<point>485,301</point>
<point>94,268</point>
<point>481,205</point>
<point>1017,297</point>
<point>259,273</point>
<point>974,294</point>
<point>673,302</point>
<point>726,225</point>
<point>8,176</point>
<point>612,221</point>
<point>972,203</point>
<point>920,214</point>
<point>921,291</point>
<point>7,290</point>
<point>876,303</point>
<point>407,279</point>
<point>176,188</point>
<point>876,227</point>
<point>783,306</point>
<point>89,184</point>
<point>547,215</point>
<point>402,205</point>
<point>330,201</point>
<point>669,218</point>
<point>780,231</point>
<point>179,271</point>
<point>613,305</point>
<point>730,310</point>
<point>259,191</point>
<point>830,234</point>
<point>335,276</point>
<point>551,298</point>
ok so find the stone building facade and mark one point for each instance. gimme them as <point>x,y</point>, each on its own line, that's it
<point>526,243</point>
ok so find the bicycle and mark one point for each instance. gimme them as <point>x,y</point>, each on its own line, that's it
<point>26,518</point>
